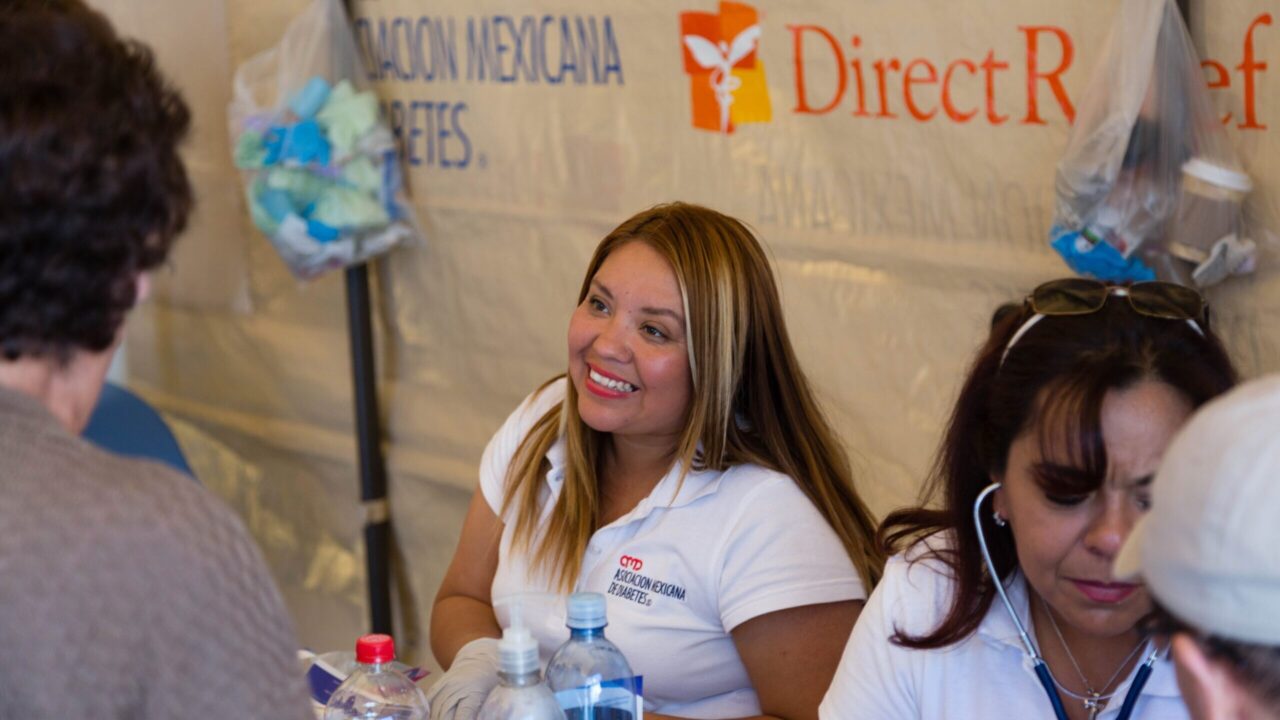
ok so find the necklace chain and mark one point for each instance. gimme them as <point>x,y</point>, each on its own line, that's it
<point>1095,700</point>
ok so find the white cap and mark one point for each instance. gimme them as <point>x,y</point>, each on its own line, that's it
<point>1209,548</point>
<point>1217,175</point>
<point>586,611</point>
<point>517,651</point>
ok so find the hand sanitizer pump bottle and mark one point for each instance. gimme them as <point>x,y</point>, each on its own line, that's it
<point>520,694</point>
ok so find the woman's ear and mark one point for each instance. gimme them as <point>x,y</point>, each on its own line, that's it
<point>142,287</point>
<point>999,505</point>
<point>1206,686</point>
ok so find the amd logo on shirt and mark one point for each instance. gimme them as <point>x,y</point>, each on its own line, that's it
<point>629,584</point>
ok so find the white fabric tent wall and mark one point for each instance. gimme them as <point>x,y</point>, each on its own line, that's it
<point>894,239</point>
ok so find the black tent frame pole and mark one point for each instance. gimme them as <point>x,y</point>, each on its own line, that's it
<point>373,471</point>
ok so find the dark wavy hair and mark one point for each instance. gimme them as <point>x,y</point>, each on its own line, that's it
<point>1053,383</point>
<point>92,191</point>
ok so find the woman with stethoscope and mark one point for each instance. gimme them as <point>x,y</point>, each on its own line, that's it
<point>1042,472</point>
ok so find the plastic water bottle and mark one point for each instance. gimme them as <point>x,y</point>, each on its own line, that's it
<point>376,690</point>
<point>589,675</point>
<point>520,694</point>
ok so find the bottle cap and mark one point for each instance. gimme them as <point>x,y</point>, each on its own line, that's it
<point>375,648</point>
<point>517,651</point>
<point>586,611</point>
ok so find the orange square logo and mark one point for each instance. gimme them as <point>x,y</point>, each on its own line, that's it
<point>727,84</point>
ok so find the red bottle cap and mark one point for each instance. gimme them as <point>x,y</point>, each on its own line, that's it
<point>375,649</point>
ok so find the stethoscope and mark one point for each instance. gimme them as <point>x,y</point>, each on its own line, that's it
<point>1042,668</point>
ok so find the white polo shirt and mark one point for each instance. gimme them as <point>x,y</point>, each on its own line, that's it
<point>679,571</point>
<point>986,675</point>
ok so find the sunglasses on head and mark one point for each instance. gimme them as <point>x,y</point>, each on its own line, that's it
<point>1082,296</point>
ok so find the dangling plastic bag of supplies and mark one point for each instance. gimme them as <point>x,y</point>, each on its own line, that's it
<point>1150,186</point>
<point>322,178</point>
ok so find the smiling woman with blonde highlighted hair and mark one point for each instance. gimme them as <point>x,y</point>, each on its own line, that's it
<point>683,468</point>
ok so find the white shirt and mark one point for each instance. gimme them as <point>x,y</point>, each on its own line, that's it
<point>987,675</point>
<point>687,565</point>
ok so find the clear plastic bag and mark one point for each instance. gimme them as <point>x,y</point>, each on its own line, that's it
<point>1149,185</point>
<point>322,179</point>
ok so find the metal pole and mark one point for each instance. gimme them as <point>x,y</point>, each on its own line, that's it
<point>373,473</point>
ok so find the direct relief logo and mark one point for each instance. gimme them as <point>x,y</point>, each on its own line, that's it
<point>727,83</point>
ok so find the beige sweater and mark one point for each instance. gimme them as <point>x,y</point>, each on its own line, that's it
<point>128,590</point>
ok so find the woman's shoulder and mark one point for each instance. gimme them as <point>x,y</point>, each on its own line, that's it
<point>503,445</point>
<point>774,550</point>
<point>530,410</point>
<point>749,479</point>
<point>923,564</point>
<point>917,585</point>
<point>536,404</point>
<point>752,495</point>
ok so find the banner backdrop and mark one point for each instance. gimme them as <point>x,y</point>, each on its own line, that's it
<point>896,158</point>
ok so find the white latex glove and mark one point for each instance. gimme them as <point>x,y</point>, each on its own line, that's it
<point>460,692</point>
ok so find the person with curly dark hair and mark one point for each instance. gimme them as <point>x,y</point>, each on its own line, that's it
<point>93,189</point>
<point>128,590</point>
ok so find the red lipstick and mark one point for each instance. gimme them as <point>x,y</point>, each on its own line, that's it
<point>1105,593</point>
<point>604,391</point>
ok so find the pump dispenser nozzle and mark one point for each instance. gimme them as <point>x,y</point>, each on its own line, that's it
<point>520,692</point>
<point>517,651</point>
